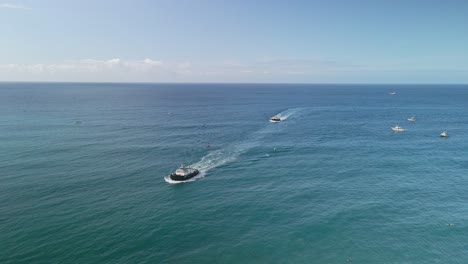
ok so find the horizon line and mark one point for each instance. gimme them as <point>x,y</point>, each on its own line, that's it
<point>242,83</point>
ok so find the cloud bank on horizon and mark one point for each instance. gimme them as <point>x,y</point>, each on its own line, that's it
<point>13,6</point>
<point>239,41</point>
<point>148,70</point>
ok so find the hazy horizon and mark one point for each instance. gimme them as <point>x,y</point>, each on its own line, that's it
<point>239,83</point>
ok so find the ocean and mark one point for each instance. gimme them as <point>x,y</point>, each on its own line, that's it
<point>82,168</point>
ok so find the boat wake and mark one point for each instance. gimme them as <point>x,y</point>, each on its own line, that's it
<point>215,159</point>
<point>287,113</point>
<point>222,156</point>
<point>231,152</point>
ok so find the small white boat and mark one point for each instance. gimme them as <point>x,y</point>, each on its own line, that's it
<point>398,129</point>
<point>392,93</point>
<point>275,119</point>
<point>412,119</point>
<point>444,134</point>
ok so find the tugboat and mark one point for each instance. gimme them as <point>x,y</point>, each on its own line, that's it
<point>275,119</point>
<point>398,129</point>
<point>183,173</point>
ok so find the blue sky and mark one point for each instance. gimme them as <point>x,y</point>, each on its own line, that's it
<point>330,41</point>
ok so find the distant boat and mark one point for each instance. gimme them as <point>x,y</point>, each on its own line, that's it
<point>183,173</point>
<point>392,93</point>
<point>398,129</point>
<point>275,119</point>
<point>444,134</point>
<point>412,119</point>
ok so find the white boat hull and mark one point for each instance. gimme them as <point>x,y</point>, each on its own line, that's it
<point>398,129</point>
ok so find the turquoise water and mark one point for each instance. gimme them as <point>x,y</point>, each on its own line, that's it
<point>82,172</point>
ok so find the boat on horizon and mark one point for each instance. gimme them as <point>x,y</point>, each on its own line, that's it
<point>398,129</point>
<point>392,93</point>
<point>183,173</point>
<point>412,119</point>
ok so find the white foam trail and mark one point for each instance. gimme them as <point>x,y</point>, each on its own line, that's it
<point>215,159</point>
<point>222,156</point>
<point>287,113</point>
<point>230,153</point>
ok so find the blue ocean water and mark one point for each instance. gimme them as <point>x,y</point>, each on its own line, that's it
<point>82,172</point>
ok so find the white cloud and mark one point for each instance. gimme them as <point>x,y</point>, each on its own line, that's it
<point>85,65</point>
<point>146,65</point>
<point>184,68</point>
<point>152,62</point>
<point>149,70</point>
<point>93,69</point>
<point>12,6</point>
<point>89,65</point>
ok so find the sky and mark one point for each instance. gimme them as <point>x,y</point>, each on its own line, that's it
<point>262,41</point>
